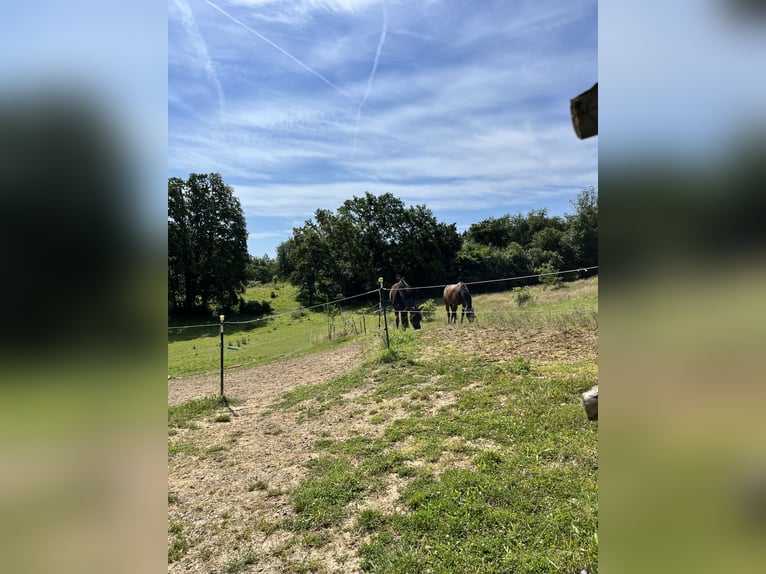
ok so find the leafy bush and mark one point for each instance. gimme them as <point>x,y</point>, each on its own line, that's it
<point>549,275</point>
<point>522,295</point>
<point>256,308</point>
<point>428,310</point>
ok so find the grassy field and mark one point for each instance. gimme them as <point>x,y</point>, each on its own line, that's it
<point>457,449</point>
<point>291,331</point>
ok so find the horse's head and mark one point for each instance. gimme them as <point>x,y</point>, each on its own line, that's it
<point>415,316</point>
<point>471,314</point>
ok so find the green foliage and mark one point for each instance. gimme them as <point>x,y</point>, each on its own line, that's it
<point>549,275</point>
<point>261,269</point>
<point>343,253</point>
<point>207,244</point>
<point>254,308</point>
<point>518,246</point>
<point>522,295</point>
<point>428,310</point>
<point>181,416</point>
<point>241,562</point>
<point>320,500</point>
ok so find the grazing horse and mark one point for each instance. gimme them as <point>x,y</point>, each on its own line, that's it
<point>401,299</point>
<point>455,295</point>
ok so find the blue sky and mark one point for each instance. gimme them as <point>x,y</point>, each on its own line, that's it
<point>302,104</point>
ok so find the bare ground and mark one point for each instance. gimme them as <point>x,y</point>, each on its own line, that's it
<point>229,490</point>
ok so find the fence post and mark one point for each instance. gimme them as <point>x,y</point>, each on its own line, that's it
<point>380,310</point>
<point>221,317</point>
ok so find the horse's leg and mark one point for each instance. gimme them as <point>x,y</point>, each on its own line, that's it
<point>462,314</point>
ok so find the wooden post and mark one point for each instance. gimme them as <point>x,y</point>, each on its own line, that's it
<point>380,310</point>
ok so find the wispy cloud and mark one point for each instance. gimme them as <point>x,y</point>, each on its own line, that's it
<point>370,79</point>
<point>199,46</point>
<point>285,52</point>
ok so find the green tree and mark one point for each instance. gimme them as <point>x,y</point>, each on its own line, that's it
<point>581,236</point>
<point>262,269</point>
<point>207,244</point>
<point>344,253</point>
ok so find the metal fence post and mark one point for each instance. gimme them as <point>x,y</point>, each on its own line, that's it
<point>221,317</point>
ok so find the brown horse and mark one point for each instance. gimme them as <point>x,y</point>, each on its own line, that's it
<point>401,299</point>
<point>455,295</point>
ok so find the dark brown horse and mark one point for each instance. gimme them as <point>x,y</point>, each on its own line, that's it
<point>455,295</point>
<point>401,299</point>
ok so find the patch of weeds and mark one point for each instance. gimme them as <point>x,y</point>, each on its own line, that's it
<point>272,492</point>
<point>310,567</point>
<point>244,534</point>
<point>206,554</point>
<point>315,539</point>
<point>405,471</point>
<point>181,416</point>
<point>381,418</point>
<point>266,526</point>
<point>177,548</point>
<point>172,432</point>
<point>239,563</point>
<point>281,550</point>
<point>354,446</point>
<point>370,520</point>
<point>175,528</point>
<point>420,395</point>
<point>235,435</point>
<point>257,485</point>
<point>222,418</point>
<point>518,366</point>
<point>384,463</point>
<point>173,498</point>
<point>323,393</point>
<point>180,447</point>
<point>320,500</point>
<point>488,461</point>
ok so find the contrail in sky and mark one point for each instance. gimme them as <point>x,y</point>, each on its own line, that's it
<point>372,76</point>
<point>198,42</point>
<point>286,53</point>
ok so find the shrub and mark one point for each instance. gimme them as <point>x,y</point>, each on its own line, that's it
<point>255,308</point>
<point>428,310</point>
<point>522,295</point>
<point>551,278</point>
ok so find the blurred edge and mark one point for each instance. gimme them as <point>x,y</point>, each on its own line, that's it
<point>682,193</point>
<point>83,132</point>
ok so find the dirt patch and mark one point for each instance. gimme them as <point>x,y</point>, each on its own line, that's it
<point>228,481</point>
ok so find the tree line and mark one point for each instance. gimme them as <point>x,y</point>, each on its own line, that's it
<point>340,253</point>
